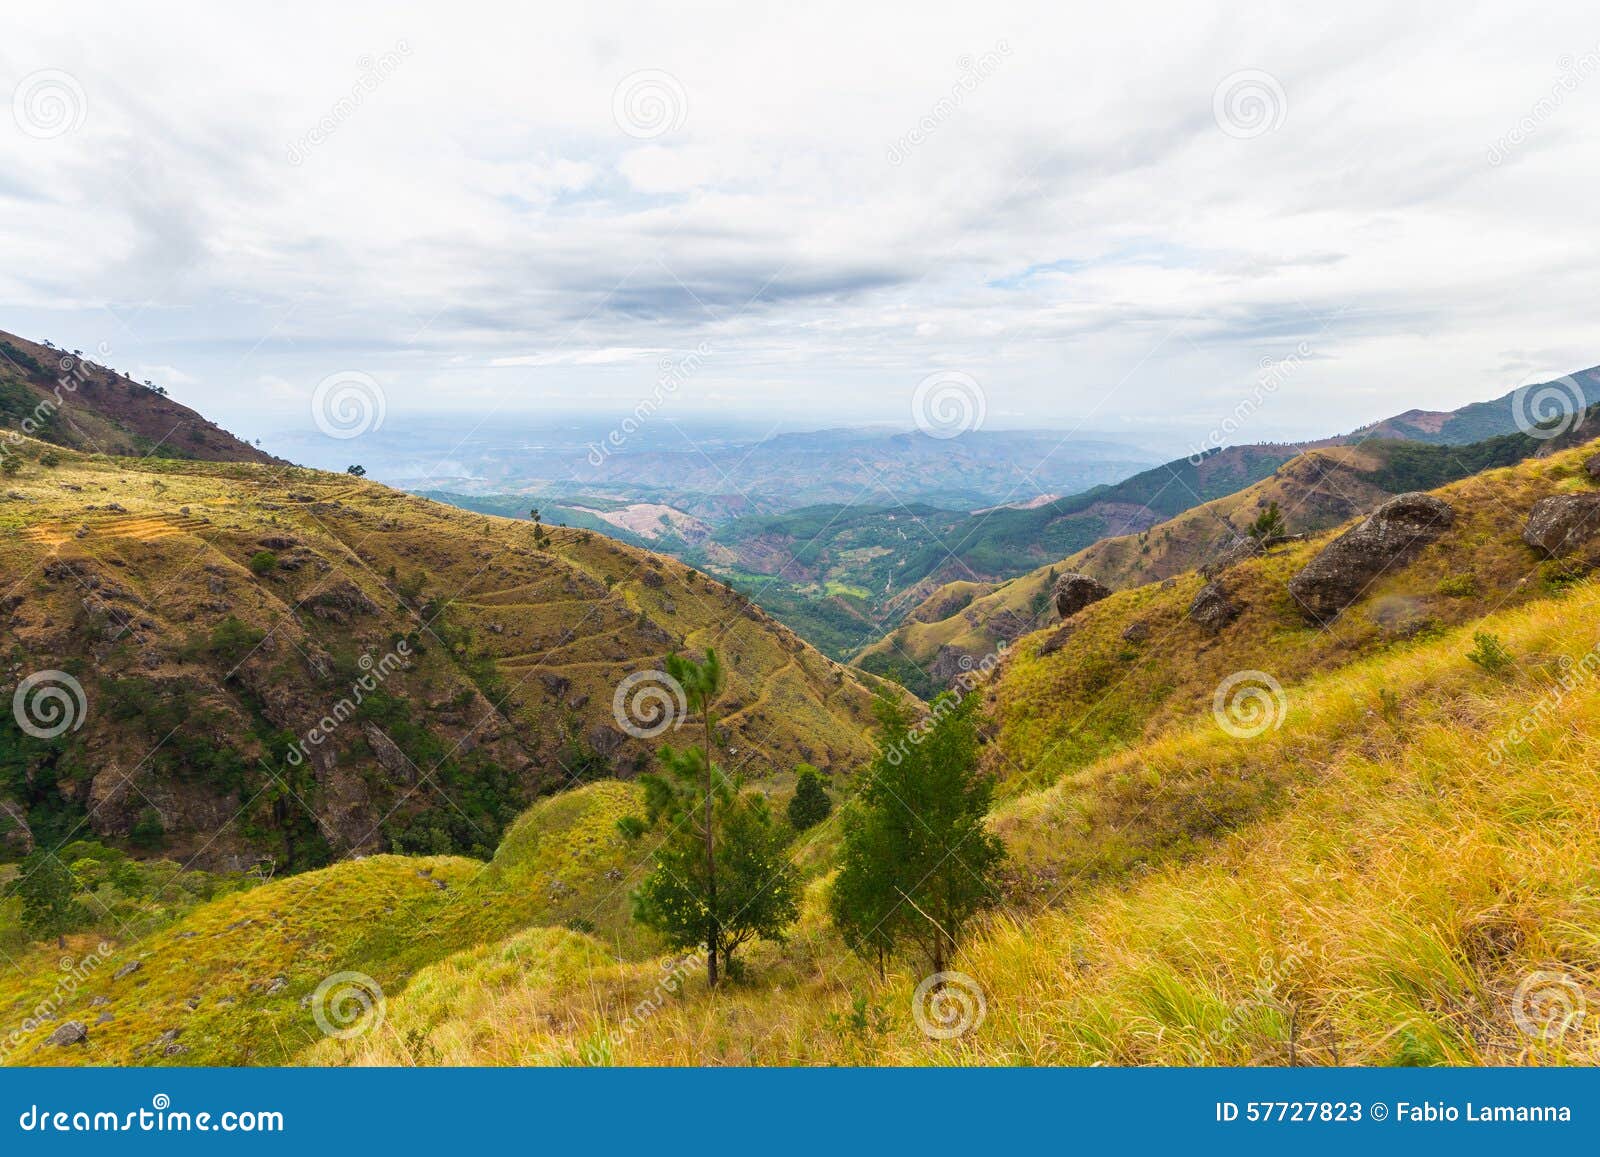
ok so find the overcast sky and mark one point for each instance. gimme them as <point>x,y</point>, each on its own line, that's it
<point>1104,215</point>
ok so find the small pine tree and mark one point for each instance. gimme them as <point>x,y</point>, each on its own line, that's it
<point>810,804</point>
<point>1269,525</point>
<point>747,890</point>
<point>918,861</point>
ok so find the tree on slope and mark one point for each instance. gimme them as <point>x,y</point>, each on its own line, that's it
<point>695,894</point>
<point>748,890</point>
<point>810,804</point>
<point>918,861</point>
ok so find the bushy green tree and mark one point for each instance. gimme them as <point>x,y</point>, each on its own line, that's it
<point>810,804</point>
<point>49,896</point>
<point>918,861</point>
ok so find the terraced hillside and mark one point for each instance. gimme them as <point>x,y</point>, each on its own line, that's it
<point>960,623</point>
<point>1383,856</point>
<point>286,665</point>
<point>73,400</point>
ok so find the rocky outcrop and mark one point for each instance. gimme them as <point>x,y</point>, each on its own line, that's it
<point>1074,591</point>
<point>74,1032</point>
<point>1235,550</point>
<point>16,837</point>
<point>1213,608</point>
<point>1591,466</point>
<point>1561,524</point>
<point>1390,537</point>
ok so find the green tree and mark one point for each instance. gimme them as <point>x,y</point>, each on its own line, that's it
<point>918,861</point>
<point>48,894</point>
<point>750,889</point>
<point>358,470</point>
<point>810,804</point>
<point>701,682</point>
<point>1269,525</point>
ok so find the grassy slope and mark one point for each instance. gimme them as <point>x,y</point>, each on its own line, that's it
<point>517,649</point>
<point>1315,490</point>
<point>1375,891</point>
<point>1363,884</point>
<point>250,961</point>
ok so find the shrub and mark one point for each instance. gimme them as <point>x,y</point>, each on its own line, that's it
<point>810,804</point>
<point>1490,654</point>
<point>1458,586</point>
<point>263,562</point>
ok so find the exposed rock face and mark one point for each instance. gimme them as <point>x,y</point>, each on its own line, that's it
<point>1213,608</point>
<point>15,835</point>
<point>1234,551</point>
<point>1390,537</point>
<point>1561,524</point>
<point>1074,591</point>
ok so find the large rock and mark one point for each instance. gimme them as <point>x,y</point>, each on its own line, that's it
<point>1232,552</point>
<point>1389,538</point>
<point>1074,591</point>
<point>73,1032</point>
<point>1213,608</point>
<point>1561,524</point>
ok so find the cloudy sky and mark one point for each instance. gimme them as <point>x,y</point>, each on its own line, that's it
<point>1106,216</point>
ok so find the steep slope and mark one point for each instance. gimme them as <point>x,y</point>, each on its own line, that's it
<point>1314,490</point>
<point>1389,862</point>
<point>68,399</point>
<point>280,663</point>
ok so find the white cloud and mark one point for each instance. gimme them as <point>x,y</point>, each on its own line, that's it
<point>1075,230</point>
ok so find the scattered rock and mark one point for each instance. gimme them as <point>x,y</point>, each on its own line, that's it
<point>1213,608</point>
<point>1561,524</point>
<point>97,1000</point>
<point>1074,591</point>
<point>1390,537</point>
<point>74,1032</point>
<point>1136,632</point>
<point>1591,466</point>
<point>127,969</point>
<point>105,1018</point>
